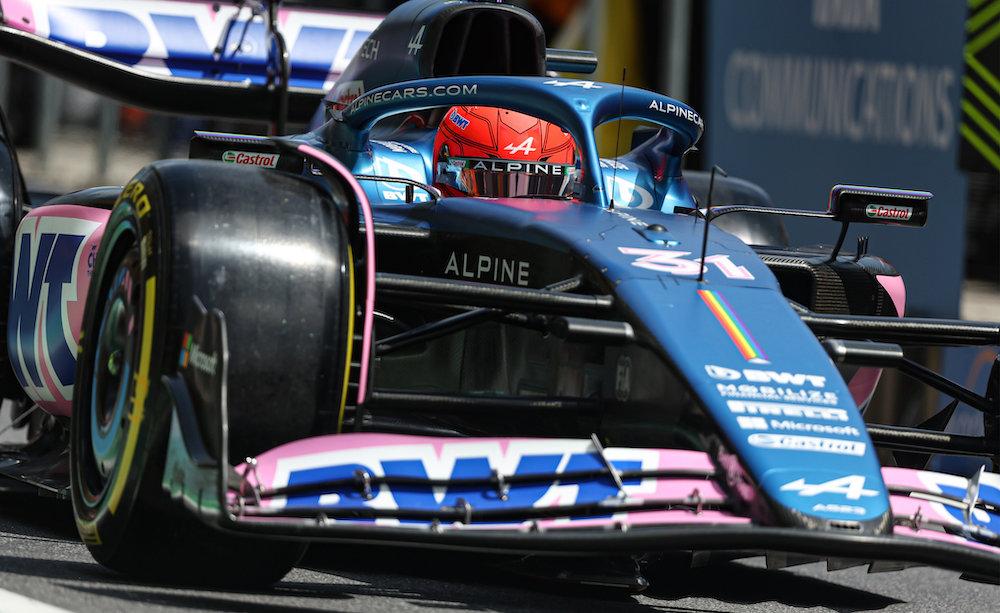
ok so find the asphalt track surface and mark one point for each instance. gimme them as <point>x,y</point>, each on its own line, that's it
<point>43,563</point>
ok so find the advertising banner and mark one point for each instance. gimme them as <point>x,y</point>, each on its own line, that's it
<point>805,94</point>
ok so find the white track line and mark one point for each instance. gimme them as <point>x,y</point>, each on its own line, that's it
<point>16,603</point>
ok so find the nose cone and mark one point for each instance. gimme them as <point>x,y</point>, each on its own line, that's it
<point>827,499</point>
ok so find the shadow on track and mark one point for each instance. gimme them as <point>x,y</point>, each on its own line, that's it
<point>474,581</point>
<point>406,578</point>
<point>31,515</point>
<point>214,602</point>
<point>740,584</point>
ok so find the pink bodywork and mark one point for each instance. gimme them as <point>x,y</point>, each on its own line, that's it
<point>274,466</point>
<point>58,219</point>
<point>32,16</point>
<point>369,310</point>
<point>862,385</point>
<point>18,14</point>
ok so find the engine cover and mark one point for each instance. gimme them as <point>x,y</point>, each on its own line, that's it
<point>851,285</point>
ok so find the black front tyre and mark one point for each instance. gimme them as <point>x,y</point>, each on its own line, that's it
<point>160,247</point>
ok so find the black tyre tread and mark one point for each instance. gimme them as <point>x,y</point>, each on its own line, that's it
<point>296,372</point>
<point>13,198</point>
<point>200,206</point>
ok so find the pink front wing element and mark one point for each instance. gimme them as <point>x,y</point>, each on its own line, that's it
<point>907,507</point>
<point>320,450</point>
<point>633,519</point>
<point>862,386</point>
<point>366,211</point>
<point>438,456</point>
<point>924,503</point>
<point>896,290</point>
<point>928,481</point>
<point>933,535</point>
<point>903,478</point>
<point>18,14</point>
<point>70,223</point>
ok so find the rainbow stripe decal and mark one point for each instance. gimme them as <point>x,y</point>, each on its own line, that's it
<point>185,350</point>
<point>731,323</point>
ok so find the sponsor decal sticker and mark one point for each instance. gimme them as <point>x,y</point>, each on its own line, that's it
<point>185,350</point>
<point>135,191</point>
<point>775,409</point>
<point>748,422</point>
<point>416,43</point>
<point>668,108</point>
<point>733,326</point>
<point>456,118</point>
<point>346,92</point>
<point>581,84</point>
<point>407,93</point>
<point>46,280</point>
<point>888,211</point>
<point>807,443</point>
<point>369,50</point>
<point>764,376</point>
<point>533,168</point>
<point>463,461</point>
<point>157,32</point>
<point>192,355</point>
<point>629,194</point>
<point>614,164</point>
<point>487,267</point>
<point>798,426</point>
<point>251,158</point>
<point>769,393</point>
<point>846,509</point>
<point>525,147</point>
<point>395,146</point>
<point>851,487</point>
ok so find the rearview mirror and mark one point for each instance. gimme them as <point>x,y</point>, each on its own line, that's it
<point>896,207</point>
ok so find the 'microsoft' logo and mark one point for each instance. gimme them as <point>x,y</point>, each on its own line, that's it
<point>247,158</point>
<point>886,211</point>
<point>192,355</point>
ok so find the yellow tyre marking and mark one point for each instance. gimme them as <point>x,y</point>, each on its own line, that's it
<point>138,400</point>
<point>350,336</point>
<point>88,532</point>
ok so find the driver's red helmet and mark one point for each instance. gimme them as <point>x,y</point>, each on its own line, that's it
<point>491,152</point>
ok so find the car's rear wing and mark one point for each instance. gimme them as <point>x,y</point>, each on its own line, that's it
<point>199,58</point>
<point>247,60</point>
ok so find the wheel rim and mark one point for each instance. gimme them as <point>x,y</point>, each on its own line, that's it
<point>111,378</point>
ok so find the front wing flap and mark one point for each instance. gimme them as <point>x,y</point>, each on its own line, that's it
<point>561,496</point>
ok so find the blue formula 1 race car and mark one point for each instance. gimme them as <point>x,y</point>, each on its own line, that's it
<point>441,318</point>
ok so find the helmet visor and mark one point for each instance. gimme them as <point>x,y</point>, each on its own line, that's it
<point>496,178</point>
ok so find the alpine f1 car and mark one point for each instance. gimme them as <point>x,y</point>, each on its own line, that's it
<point>441,318</point>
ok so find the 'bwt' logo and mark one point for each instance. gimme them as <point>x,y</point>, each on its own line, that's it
<point>584,490</point>
<point>43,285</point>
<point>185,35</point>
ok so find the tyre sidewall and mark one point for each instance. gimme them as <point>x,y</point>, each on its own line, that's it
<point>103,525</point>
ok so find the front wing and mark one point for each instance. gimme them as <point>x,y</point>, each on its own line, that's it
<point>565,496</point>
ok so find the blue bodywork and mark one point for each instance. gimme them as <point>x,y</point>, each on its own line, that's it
<point>786,413</point>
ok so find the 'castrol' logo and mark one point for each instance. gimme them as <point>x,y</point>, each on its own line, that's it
<point>246,158</point>
<point>886,211</point>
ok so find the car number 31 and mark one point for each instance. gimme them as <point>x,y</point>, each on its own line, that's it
<point>675,263</point>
